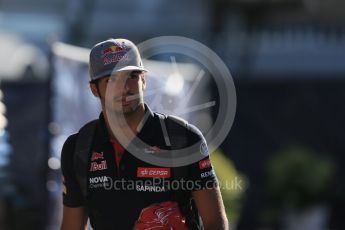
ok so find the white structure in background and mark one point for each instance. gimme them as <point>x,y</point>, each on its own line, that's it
<point>72,102</point>
<point>19,59</point>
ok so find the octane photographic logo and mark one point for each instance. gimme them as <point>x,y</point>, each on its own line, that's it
<point>208,63</point>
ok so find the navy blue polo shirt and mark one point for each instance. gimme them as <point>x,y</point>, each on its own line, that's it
<point>132,194</point>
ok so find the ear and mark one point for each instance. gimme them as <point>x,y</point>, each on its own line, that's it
<point>94,89</point>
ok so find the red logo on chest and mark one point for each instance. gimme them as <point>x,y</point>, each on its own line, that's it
<point>97,156</point>
<point>205,164</point>
<point>154,172</point>
<point>98,167</point>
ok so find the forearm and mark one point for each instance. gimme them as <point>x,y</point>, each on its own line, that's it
<point>211,209</point>
<point>222,224</point>
<point>74,218</point>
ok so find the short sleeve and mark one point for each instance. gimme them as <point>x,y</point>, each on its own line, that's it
<point>72,195</point>
<point>201,173</point>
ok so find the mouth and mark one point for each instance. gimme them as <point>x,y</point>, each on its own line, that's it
<point>132,97</point>
<point>125,100</point>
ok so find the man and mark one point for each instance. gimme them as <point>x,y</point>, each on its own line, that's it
<point>120,190</point>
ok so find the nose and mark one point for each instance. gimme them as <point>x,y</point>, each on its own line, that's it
<point>126,85</point>
<point>121,84</point>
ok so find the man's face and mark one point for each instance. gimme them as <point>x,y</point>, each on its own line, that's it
<point>122,92</point>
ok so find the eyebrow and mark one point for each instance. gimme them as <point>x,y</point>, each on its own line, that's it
<point>136,72</point>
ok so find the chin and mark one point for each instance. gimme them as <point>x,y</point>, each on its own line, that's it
<point>117,108</point>
<point>123,109</point>
<point>127,110</point>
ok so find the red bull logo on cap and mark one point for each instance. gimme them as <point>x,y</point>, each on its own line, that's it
<point>114,49</point>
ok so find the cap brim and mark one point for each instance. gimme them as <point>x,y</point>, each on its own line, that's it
<point>126,68</point>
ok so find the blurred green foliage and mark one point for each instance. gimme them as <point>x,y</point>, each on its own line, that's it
<point>232,185</point>
<point>299,178</point>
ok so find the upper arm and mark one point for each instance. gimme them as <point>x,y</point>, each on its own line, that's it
<point>72,195</point>
<point>74,218</point>
<point>205,190</point>
<point>211,208</point>
<point>206,194</point>
<point>74,214</point>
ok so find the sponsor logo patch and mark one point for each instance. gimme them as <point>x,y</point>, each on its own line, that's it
<point>154,172</point>
<point>99,179</point>
<point>207,174</point>
<point>97,156</point>
<point>114,49</point>
<point>205,164</point>
<point>203,149</point>
<point>165,215</point>
<point>98,167</point>
<point>115,58</point>
<point>98,182</point>
<point>115,53</point>
<point>145,188</point>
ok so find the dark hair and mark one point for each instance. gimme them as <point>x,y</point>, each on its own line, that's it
<point>94,81</point>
